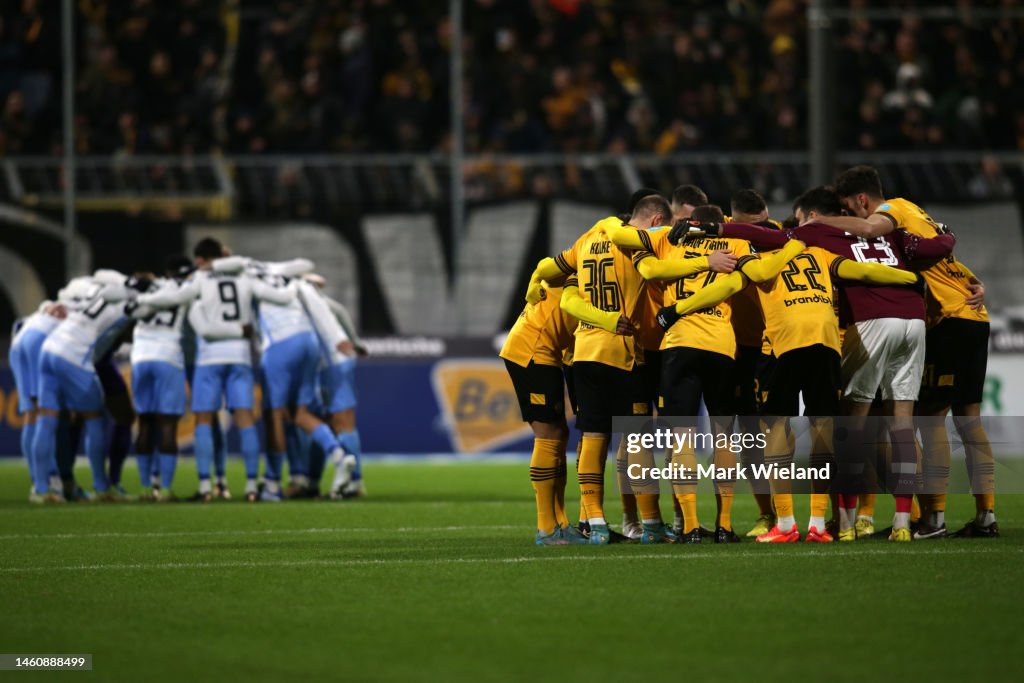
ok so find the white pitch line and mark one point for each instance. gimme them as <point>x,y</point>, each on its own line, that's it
<point>248,532</point>
<point>682,556</point>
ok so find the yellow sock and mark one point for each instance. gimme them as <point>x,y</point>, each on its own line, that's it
<point>725,489</point>
<point>685,487</point>
<point>981,467</point>
<point>626,492</point>
<point>649,506</point>
<point>915,510</point>
<point>779,450</point>
<point>579,452</point>
<point>560,517</point>
<point>866,505</point>
<point>819,505</point>
<point>543,473</point>
<point>593,454</point>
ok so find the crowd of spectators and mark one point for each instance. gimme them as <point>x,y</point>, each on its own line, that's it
<point>335,76</point>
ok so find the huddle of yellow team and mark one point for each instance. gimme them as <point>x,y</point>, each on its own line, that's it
<point>637,316</point>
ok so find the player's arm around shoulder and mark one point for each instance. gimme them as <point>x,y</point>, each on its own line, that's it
<point>762,270</point>
<point>573,303</point>
<point>872,273</point>
<point>875,225</point>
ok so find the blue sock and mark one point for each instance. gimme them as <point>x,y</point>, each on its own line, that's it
<point>275,462</point>
<point>145,463</point>
<point>28,435</point>
<point>350,442</point>
<point>168,463</point>
<point>299,463</point>
<point>96,451</point>
<point>204,451</point>
<point>324,438</point>
<point>44,449</point>
<point>317,458</point>
<point>250,451</point>
<point>220,449</point>
<point>154,469</point>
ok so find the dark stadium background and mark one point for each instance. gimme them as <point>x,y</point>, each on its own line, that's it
<point>324,130</point>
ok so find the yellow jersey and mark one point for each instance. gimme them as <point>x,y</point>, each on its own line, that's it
<point>947,280</point>
<point>608,280</point>
<point>541,333</point>
<point>709,329</point>
<point>798,303</point>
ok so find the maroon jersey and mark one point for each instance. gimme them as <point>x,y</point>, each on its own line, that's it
<point>857,300</point>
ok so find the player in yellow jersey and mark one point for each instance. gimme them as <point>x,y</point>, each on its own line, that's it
<point>662,264</point>
<point>800,320</point>
<point>604,363</point>
<point>533,354</point>
<point>956,355</point>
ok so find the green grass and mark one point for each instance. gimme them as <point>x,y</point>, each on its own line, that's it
<point>434,577</point>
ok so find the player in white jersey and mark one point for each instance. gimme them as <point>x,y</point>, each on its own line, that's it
<point>339,346</point>
<point>223,365</point>
<point>290,361</point>
<point>26,347</point>
<point>68,379</point>
<point>158,385</point>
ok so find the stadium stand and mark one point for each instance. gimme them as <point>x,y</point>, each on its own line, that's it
<point>561,76</point>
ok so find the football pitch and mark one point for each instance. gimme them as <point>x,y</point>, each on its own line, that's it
<point>434,577</point>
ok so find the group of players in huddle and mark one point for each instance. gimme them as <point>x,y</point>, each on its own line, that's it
<point>196,325</point>
<point>855,305</point>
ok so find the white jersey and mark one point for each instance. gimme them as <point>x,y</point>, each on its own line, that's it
<point>328,329</point>
<point>221,310</point>
<point>40,321</point>
<point>75,338</point>
<point>157,337</point>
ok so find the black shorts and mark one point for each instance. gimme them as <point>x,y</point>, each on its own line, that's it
<point>811,371</point>
<point>744,374</point>
<point>540,391</point>
<point>650,376</point>
<point>604,392</point>
<point>955,362</point>
<point>689,374</point>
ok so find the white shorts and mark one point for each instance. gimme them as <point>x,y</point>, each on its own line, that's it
<point>886,353</point>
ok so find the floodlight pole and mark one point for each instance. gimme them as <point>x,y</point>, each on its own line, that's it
<point>68,49</point>
<point>822,132</point>
<point>458,197</point>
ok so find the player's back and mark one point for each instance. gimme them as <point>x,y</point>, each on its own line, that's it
<point>858,300</point>
<point>281,321</point>
<point>947,280</point>
<point>75,338</point>
<point>157,337</point>
<point>227,298</point>
<point>797,304</point>
<point>710,328</point>
<point>541,332</point>
<point>608,280</point>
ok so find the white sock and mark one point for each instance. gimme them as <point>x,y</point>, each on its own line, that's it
<point>817,522</point>
<point>597,520</point>
<point>985,518</point>
<point>651,522</point>
<point>204,486</point>
<point>272,486</point>
<point>677,522</point>
<point>938,518</point>
<point>300,480</point>
<point>250,486</point>
<point>901,520</point>
<point>846,518</point>
<point>222,481</point>
<point>786,523</point>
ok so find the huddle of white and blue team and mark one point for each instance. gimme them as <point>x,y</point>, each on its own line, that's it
<point>307,355</point>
